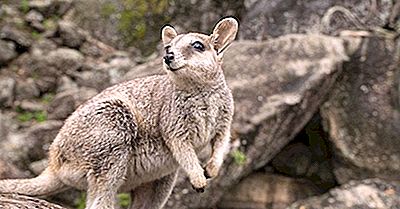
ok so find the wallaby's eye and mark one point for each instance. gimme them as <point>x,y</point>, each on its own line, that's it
<point>198,45</point>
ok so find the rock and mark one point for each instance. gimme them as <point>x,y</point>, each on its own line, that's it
<point>30,106</point>
<point>51,8</point>
<point>266,191</point>
<point>20,37</point>
<point>43,46</point>
<point>15,201</point>
<point>66,102</point>
<point>65,83</point>
<point>70,34</point>
<point>9,171</point>
<point>34,16</point>
<point>65,60</point>
<point>26,89</point>
<point>366,194</point>
<point>362,113</point>
<point>30,144</point>
<point>40,136</point>
<point>276,17</point>
<point>96,78</point>
<point>38,167</point>
<point>110,20</point>
<point>293,160</point>
<point>35,19</point>
<point>275,96</point>
<point>7,87</point>
<point>7,51</point>
<point>15,148</point>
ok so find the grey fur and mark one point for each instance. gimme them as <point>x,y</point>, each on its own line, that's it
<point>134,136</point>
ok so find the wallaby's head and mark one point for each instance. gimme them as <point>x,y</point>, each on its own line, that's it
<point>194,57</point>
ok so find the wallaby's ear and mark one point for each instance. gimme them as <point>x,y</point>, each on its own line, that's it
<point>224,33</point>
<point>167,34</point>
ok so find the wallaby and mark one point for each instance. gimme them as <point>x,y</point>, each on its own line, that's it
<point>134,136</point>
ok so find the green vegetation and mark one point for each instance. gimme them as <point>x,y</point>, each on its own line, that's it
<point>35,35</point>
<point>138,19</point>
<point>107,9</point>
<point>38,116</point>
<point>239,157</point>
<point>24,5</point>
<point>124,200</point>
<point>80,202</point>
<point>50,24</point>
<point>46,99</point>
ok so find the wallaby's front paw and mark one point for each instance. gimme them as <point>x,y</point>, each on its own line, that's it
<point>211,170</point>
<point>199,184</point>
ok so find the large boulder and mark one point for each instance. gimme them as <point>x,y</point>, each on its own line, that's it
<point>267,191</point>
<point>274,18</point>
<point>15,201</point>
<point>366,194</point>
<point>362,113</point>
<point>275,96</point>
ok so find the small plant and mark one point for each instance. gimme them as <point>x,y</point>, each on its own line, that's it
<point>50,24</point>
<point>24,5</point>
<point>239,157</point>
<point>25,116</point>
<point>124,200</point>
<point>35,35</point>
<point>80,202</point>
<point>46,99</point>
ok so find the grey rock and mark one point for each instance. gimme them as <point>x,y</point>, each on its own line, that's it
<point>43,46</point>
<point>8,170</point>
<point>38,167</point>
<point>15,148</point>
<point>365,194</point>
<point>20,37</point>
<point>65,60</point>
<point>65,83</point>
<point>103,19</point>
<point>64,103</point>
<point>35,18</point>
<point>40,137</point>
<point>26,89</point>
<point>30,106</point>
<point>293,160</point>
<point>71,35</point>
<point>15,201</point>
<point>96,78</point>
<point>51,7</point>
<point>7,88</point>
<point>362,113</point>
<point>267,191</point>
<point>274,18</point>
<point>7,51</point>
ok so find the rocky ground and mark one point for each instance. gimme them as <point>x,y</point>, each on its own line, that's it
<point>317,114</point>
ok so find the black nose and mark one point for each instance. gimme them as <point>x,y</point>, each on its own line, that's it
<point>168,58</point>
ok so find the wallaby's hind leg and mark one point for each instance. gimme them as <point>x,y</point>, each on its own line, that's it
<point>153,195</point>
<point>103,187</point>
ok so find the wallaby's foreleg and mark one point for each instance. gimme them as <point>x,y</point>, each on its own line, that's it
<point>153,195</point>
<point>183,152</point>
<point>45,184</point>
<point>220,147</point>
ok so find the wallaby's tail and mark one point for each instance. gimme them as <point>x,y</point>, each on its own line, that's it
<point>45,184</point>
